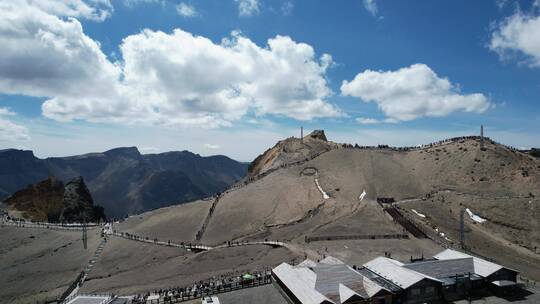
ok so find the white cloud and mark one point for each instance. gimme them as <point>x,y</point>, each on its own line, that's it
<point>248,7</point>
<point>372,121</point>
<point>518,34</point>
<point>412,92</point>
<point>211,146</point>
<point>186,10</point>
<point>132,3</point>
<point>43,55</point>
<point>10,131</point>
<point>367,121</point>
<point>287,8</point>
<point>97,10</point>
<point>6,112</point>
<point>371,7</point>
<point>160,78</point>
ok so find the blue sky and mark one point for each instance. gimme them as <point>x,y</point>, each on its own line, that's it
<point>234,76</point>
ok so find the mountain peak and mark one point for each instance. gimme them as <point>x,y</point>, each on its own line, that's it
<point>124,151</point>
<point>17,152</point>
<point>317,134</point>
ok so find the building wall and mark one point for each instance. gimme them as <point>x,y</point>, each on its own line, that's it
<point>503,274</point>
<point>423,291</point>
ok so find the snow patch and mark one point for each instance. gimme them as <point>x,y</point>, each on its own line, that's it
<point>361,197</point>
<point>475,217</point>
<point>324,194</point>
<point>418,213</point>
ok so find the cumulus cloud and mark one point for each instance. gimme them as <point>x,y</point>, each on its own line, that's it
<point>371,7</point>
<point>186,10</point>
<point>284,78</point>
<point>160,78</point>
<point>248,7</point>
<point>518,34</point>
<point>412,92</point>
<point>10,131</point>
<point>43,55</point>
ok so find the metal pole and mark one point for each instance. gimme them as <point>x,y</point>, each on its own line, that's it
<point>462,228</point>
<point>84,235</point>
<point>482,137</point>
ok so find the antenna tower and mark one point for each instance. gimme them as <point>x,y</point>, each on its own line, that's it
<point>84,234</point>
<point>482,138</point>
<point>462,229</point>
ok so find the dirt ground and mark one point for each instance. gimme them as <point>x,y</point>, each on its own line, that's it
<point>38,264</point>
<point>129,267</point>
<point>175,223</point>
<point>503,238</point>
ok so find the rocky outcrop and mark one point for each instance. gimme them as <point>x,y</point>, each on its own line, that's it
<point>42,201</point>
<point>317,134</point>
<point>51,201</point>
<point>290,151</point>
<point>78,203</point>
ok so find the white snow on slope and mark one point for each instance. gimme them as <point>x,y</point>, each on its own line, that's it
<point>361,197</point>
<point>475,217</point>
<point>418,213</point>
<point>324,195</point>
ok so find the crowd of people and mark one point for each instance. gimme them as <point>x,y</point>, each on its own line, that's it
<point>223,283</point>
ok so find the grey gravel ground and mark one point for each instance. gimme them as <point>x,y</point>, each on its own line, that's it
<point>267,294</point>
<point>531,295</point>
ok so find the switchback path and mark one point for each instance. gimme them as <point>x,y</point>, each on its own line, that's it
<point>192,247</point>
<point>45,225</point>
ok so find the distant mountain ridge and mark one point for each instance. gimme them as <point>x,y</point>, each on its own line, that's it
<point>123,180</point>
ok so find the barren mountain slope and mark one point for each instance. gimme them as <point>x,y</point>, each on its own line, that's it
<point>128,267</point>
<point>38,264</point>
<point>291,150</point>
<point>289,197</point>
<point>167,223</point>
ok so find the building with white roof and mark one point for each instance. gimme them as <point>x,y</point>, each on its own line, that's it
<point>450,275</point>
<point>329,281</point>
<point>493,273</point>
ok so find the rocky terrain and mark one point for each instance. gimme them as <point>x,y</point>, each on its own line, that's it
<point>328,205</point>
<point>51,201</point>
<point>124,181</point>
<point>291,150</point>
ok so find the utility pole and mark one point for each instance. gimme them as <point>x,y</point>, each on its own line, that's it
<point>84,235</point>
<point>482,138</point>
<point>462,228</point>
<point>302,134</point>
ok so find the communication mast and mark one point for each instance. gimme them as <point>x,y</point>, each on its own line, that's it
<point>462,229</point>
<point>84,234</point>
<point>482,138</point>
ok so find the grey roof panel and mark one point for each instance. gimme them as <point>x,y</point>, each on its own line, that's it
<point>444,268</point>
